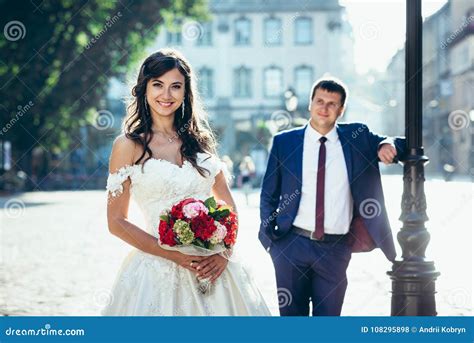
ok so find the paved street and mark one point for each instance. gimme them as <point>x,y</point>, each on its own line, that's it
<point>58,257</point>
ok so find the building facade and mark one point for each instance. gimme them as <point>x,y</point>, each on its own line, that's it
<point>448,88</point>
<point>460,46</point>
<point>251,52</point>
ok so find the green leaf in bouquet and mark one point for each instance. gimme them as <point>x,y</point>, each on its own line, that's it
<point>224,213</point>
<point>199,243</point>
<point>164,218</point>
<point>221,214</point>
<point>210,203</point>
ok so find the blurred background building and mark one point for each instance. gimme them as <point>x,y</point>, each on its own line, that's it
<point>448,89</point>
<point>256,61</point>
<point>250,53</point>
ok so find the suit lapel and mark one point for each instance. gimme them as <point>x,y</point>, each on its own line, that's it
<point>346,149</point>
<point>298,149</point>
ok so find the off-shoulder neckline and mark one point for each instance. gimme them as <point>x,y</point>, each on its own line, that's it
<point>186,162</point>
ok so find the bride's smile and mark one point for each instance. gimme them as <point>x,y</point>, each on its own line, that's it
<point>165,94</point>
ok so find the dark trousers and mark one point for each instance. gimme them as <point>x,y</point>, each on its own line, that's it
<point>310,271</point>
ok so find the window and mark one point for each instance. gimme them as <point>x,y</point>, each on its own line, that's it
<point>303,82</point>
<point>242,31</point>
<point>243,82</point>
<point>173,38</point>
<point>303,31</point>
<point>272,31</point>
<point>273,81</point>
<point>205,38</point>
<point>174,32</point>
<point>205,82</point>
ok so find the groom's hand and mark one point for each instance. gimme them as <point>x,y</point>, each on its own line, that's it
<point>387,153</point>
<point>212,267</point>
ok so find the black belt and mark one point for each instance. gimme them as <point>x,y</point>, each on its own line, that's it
<point>326,238</point>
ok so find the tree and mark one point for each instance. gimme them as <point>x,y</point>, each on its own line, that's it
<point>57,57</point>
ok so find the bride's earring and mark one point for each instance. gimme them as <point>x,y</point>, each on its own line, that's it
<point>182,112</point>
<point>145,104</point>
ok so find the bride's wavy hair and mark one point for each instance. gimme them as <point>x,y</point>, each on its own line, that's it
<point>192,127</point>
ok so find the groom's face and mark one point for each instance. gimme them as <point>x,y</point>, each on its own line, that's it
<point>325,108</point>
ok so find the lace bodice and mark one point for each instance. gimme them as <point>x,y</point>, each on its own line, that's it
<point>162,184</point>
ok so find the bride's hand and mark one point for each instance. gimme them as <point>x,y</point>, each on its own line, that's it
<point>189,262</point>
<point>212,267</point>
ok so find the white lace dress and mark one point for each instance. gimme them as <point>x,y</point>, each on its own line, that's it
<point>148,285</point>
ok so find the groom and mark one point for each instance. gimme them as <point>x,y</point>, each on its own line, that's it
<point>321,200</point>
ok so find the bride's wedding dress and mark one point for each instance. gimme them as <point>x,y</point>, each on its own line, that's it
<point>148,285</point>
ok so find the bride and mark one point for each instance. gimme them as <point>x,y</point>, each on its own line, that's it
<point>167,154</point>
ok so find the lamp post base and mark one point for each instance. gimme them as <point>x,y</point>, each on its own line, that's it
<point>413,288</point>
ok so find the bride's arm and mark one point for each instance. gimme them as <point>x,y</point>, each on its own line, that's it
<point>221,191</point>
<point>117,210</point>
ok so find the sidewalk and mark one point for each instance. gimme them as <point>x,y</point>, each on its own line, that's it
<point>58,257</point>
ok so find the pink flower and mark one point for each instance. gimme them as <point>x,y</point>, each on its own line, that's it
<point>219,234</point>
<point>193,209</point>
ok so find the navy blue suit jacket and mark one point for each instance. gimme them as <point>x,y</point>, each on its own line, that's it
<point>281,189</point>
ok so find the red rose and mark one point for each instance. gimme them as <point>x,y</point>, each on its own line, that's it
<point>170,238</point>
<point>176,212</point>
<point>166,234</point>
<point>203,226</point>
<point>162,227</point>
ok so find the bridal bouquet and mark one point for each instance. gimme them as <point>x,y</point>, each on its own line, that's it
<point>201,228</point>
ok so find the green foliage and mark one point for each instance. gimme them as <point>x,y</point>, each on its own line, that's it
<point>64,61</point>
<point>210,203</point>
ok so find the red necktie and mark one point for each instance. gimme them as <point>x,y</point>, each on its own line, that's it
<point>319,232</point>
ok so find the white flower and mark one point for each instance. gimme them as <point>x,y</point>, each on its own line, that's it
<point>218,235</point>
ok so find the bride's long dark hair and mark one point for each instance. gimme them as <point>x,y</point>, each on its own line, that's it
<point>193,128</point>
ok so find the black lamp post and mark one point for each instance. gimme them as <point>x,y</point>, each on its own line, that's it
<point>413,278</point>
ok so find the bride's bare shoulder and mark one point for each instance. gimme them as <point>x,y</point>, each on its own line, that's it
<point>123,151</point>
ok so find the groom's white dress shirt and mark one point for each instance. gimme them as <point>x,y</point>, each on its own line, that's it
<point>338,203</point>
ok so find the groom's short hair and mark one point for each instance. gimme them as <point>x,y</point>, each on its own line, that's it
<point>332,85</point>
